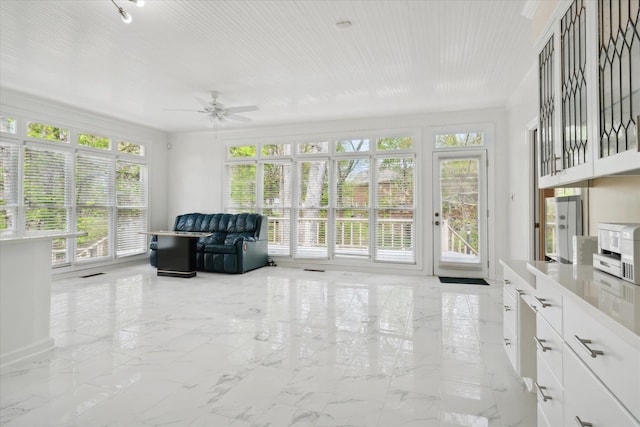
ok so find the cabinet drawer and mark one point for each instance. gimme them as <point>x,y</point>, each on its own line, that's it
<point>587,400</point>
<point>547,301</point>
<point>550,394</point>
<point>610,357</point>
<point>517,285</point>
<point>549,346</point>
<point>510,312</point>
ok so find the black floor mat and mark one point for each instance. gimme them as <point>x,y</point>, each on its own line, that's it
<point>462,280</point>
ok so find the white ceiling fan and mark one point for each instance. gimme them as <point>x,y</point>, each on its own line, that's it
<point>218,112</point>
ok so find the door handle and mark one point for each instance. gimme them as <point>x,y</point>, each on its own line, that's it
<point>437,223</point>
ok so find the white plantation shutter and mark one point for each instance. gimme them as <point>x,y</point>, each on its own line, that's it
<point>94,205</point>
<point>276,205</point>
<point>9,158</point>
<point>241,190</point>
<point>313,210</point>
<point>48,177</point>
<point>395,209</point>
<point>131,207</point>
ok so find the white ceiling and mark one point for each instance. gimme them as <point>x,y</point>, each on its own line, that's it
<point>287,57</point>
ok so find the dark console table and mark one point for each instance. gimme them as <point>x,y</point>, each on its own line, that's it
<point>177,252</point>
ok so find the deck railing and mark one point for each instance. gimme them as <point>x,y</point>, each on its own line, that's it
<point>349,233</point>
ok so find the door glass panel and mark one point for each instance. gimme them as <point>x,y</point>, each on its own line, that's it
<point>459,210</point>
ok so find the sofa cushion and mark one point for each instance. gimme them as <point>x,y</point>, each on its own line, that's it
<point>219,249</point>
<point>243,223</point>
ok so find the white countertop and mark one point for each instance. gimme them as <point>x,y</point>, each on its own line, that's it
<point>18,239</point>
<point>617,299</point>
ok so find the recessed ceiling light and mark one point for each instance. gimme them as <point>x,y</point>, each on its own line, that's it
<point>343,24</point>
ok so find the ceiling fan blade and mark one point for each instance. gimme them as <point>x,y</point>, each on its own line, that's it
<point>180,109</point>
<point>241,109</point>
<point>204,103</point>
<point>237,118</point>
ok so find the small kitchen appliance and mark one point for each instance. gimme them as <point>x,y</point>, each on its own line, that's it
<point>619,251</point>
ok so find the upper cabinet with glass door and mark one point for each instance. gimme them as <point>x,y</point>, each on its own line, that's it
<point>587,107</point>
<point>618,68</point>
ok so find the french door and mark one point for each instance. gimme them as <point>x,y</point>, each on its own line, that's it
<point>459,218</point>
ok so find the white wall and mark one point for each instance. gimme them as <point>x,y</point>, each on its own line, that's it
<point>196,167</point>
<point>522,113</point>
<point>195,174</point>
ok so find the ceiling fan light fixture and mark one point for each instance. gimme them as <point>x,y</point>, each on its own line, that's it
<point>126,17</point>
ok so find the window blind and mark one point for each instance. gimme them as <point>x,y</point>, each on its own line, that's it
<point>395,208</point>
<point>9,158</point>
<point>276,205</point>
<point>48,177</point>
<point>313,209</point>
<point>352,207</point>
<point>131,207</point>
<point>94,205</point>
<point>241,191</point>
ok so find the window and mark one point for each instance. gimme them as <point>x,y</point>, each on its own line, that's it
<point>242,189</point>
<point>454,140</point>
<point>394,143</point>
<point>8,125</point>
<point>242,151</point>
<point>48,179</point>
<point>67,181</point>
<point>9,160</point>
<point>312,213</point>
<point>48,132</point>
<point>395,228</point>
<point>94,204</point>
<point>130,148</point>
<point>352,207</point>
<point>352,146</point>
<point>276,204</point>
<point>269,150</point>
<point>356,203</point>
<point>313,147</point>
<point>131,207</point>
<point>94,141</point>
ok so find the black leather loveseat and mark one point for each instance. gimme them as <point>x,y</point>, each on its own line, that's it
<point>238,242</point>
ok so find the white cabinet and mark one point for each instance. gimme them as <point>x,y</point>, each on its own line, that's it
<point>589,93</point>
<point>518,321</point>
<point>587,343</point>
<point>586,400</point>
<point>550,394</point>
<point>606,354</point>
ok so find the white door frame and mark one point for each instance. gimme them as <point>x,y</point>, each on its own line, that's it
<point>441,268</point>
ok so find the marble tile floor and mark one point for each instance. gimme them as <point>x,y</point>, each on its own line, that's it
<point>273,347</point>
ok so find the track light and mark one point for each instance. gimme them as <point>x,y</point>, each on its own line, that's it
<point>126,17</point>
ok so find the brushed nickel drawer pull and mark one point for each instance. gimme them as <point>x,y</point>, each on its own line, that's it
<point>544,396</point>
<point>542,301</point>
<point>584,342</point>
<point>507,308</point>
<point>520,291</point>
<point>583,423</point>
<point>507,342</point>
<point>540,342</point>
<point>507,281</point>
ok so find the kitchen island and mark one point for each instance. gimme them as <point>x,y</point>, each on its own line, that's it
<point>25,296</point>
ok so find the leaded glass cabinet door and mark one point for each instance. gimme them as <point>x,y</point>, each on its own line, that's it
<point>619,85</point>
<point>547,165</point>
